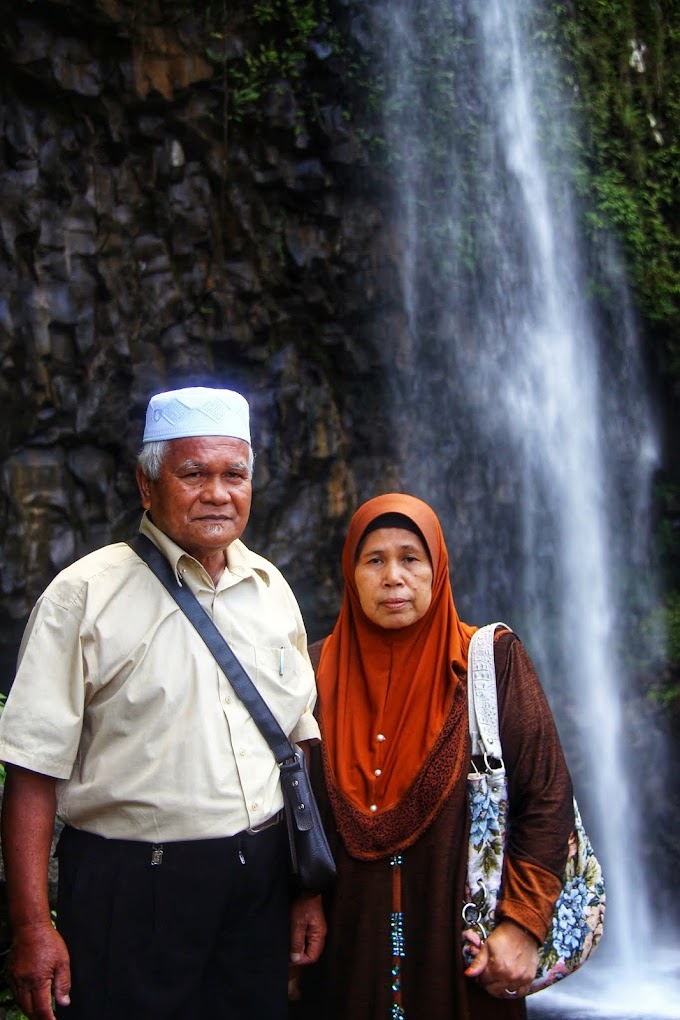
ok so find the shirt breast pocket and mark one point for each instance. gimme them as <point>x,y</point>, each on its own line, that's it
<point>280,666</point>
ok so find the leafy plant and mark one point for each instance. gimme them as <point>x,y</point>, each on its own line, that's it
<point>277,42</point>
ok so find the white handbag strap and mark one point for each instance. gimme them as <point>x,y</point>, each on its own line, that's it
<point>482,693</point>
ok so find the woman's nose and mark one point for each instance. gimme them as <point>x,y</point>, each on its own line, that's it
<point>392,574</point>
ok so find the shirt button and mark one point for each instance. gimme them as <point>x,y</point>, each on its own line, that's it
<point>380,738</point>
<point>378,772</point>
<point>227,701</point>
<point>254,807</point>
<point>373,807</point>
<point>242,752</point>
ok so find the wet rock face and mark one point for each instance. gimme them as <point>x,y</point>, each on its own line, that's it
<point>148,241</point>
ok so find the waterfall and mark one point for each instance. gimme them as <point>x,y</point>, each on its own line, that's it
<point>522,415</point>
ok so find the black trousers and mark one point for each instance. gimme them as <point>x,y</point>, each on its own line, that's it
<point>202,933</point>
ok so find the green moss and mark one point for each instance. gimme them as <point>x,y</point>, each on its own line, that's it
<point>624,59</point>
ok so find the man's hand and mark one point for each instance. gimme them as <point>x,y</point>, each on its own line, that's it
<point>506,964</point>
<point>38,966</point>
<point>38,961</point>
<point>307,930</point>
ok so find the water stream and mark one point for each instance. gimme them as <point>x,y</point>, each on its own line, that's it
<point>522,414</point>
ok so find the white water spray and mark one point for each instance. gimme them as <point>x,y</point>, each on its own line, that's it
<point>513,392</point>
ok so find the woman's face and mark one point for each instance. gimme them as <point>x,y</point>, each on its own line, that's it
<point>393,575</point>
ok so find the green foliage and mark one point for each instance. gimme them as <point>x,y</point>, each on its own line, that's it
<point>624,59</point>
<point>667,499</point>
<point>10,1009</point>
<point>672,621</point>
<point>277,35</point>
<point>661,632</point>
<point>303,15</point>
<point>660,629</point>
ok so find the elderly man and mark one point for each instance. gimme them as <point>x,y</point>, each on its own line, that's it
<point>173,896</point>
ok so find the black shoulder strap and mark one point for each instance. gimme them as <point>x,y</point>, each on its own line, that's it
<point>244,687</point>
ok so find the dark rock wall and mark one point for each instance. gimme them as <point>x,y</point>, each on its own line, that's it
<point>148,240</point>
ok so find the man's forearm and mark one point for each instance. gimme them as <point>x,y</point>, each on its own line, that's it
<point>28,813</point>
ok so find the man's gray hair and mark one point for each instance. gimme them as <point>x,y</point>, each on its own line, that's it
<point>151,456</point>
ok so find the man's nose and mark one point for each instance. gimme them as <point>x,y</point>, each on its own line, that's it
<point>216,490</point>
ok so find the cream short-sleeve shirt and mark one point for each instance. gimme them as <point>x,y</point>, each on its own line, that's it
<point>118,697</point>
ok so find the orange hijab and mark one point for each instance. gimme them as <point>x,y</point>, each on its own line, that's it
<point>396,683</point>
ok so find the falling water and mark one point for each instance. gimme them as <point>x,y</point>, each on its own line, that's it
<point>535,441</point>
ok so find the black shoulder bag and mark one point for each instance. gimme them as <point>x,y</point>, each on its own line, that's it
<point>311,859</point>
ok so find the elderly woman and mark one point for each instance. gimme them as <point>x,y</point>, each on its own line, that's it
<point>391,781</point>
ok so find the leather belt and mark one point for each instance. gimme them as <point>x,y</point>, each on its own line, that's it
<point>274,820</point>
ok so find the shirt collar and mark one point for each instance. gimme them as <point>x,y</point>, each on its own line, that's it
<point>241,562</point>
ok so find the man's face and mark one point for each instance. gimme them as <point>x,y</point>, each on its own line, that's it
<point>202,497</point>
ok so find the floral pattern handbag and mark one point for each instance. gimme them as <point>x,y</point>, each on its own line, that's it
<point>578,917</point>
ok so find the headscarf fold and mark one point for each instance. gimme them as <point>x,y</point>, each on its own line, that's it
<point>385,697</point>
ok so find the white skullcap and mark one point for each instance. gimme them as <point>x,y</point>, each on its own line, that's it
<point>197,411</point>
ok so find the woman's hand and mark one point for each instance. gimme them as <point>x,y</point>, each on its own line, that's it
<point>505,965</point>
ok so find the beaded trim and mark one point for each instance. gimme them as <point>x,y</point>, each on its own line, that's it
<point>397,938</point>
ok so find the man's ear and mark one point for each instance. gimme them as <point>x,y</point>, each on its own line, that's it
<point>144,486</point>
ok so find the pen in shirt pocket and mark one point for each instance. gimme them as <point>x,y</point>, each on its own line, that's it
<point>282,659</point>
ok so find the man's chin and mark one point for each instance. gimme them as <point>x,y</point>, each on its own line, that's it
<point>215,535</point>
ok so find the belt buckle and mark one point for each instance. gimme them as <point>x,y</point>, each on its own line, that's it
<point>274,820</point>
